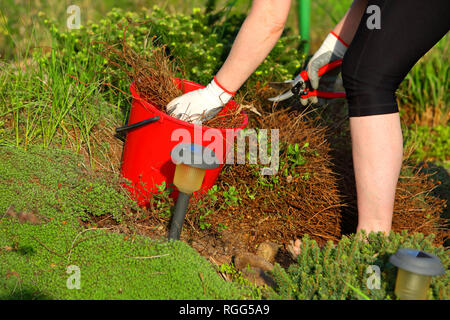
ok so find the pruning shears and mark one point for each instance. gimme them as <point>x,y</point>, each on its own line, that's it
<point>301,88</point>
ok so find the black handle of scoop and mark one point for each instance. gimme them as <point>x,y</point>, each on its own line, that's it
<point>120,132</point>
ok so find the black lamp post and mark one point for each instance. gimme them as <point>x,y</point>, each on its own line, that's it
<point>192,161</point>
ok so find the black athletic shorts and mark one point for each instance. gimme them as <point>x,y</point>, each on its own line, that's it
<point>377,60</point>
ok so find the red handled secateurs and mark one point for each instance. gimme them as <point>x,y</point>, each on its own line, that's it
<point>301,88</point>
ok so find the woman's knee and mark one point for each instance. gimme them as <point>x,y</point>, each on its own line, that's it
<point>368,91</point>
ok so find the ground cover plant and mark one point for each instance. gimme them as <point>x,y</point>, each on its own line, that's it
<point>339,272</point>
<point>56,193</point>
<point>67,95</point>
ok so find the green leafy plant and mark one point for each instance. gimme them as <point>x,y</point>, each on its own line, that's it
<point>295,155</point>
<point>205,206</point>
<point>254,292</point>
<point>231,196</point>
<point>160,203</point>
<point>221,227</point>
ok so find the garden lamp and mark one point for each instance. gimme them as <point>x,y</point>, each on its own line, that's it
<point>192,161</point>
<point>415,269</point>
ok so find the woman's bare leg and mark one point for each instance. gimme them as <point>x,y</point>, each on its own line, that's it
<point>377,148</point>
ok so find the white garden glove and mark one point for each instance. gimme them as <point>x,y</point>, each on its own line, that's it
<point>332,48</point>
<point>200,105</point>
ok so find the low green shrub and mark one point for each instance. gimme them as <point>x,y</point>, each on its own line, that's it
<point>200,41</point>
<point>341,272</point>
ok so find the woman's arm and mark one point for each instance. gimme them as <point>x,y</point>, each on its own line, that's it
<point>346,28</point>
<point>258,35</point>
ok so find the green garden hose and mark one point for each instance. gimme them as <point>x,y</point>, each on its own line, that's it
<point>304,14</point>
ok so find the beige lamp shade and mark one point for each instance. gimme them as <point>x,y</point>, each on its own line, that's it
<point>188,179</point>
<point>192,161</point>
<point>415,269</point>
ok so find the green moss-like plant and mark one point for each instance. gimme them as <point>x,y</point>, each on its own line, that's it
<point>54,182</point>
<point>35,258</point>
<point>341,272</point>
<point>111,266</point>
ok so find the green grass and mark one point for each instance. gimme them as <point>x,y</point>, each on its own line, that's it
<point>430,144</point>
<point>42,103</point>
<point>34,258</point>
<point>426,87</point>
<point>358,292</point>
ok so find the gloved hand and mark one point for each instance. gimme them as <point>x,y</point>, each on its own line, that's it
<point>332,48</point>
<point>200,105</point>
